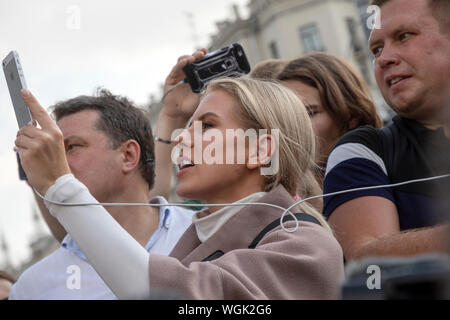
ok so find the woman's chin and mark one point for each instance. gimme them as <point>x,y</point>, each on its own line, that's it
<point>185,192</point>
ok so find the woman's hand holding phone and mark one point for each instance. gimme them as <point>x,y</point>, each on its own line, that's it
<point>41,150</point>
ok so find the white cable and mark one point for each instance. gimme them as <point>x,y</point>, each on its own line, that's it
<point>285,211</point>
<point>351,190</point>
<point>157,204</point>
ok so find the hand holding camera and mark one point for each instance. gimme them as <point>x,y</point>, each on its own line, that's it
<point>197,70</point>
<point>179,100</point>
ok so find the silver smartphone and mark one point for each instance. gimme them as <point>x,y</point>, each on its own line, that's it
<point>16,82</point>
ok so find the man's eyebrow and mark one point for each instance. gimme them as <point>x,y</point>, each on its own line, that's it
<point>403,27</point>
<point>394,32</point>
<point>371,42</point>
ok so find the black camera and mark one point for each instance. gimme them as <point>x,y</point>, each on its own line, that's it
<point>230,61</point>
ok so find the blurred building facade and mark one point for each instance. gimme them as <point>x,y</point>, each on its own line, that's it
<point>286,29</point>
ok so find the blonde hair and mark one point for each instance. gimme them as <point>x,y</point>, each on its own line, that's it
<point>269,105</point>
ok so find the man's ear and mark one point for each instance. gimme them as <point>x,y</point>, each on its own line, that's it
<point>262,153</point>
<point>131,154</point>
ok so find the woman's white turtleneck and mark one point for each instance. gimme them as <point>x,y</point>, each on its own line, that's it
<point>206,226</point>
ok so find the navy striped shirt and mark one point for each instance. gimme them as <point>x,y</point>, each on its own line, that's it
<point>368,156</point>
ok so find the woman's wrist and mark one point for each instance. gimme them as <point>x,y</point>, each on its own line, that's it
<point>172,120</point>
<point>158,139</point>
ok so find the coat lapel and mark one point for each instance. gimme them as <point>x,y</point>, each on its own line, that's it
<point>187,243</point>
<point>238,232</point>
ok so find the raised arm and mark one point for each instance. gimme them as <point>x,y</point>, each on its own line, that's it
<point>55,227</point>
<point>109,248</point>
<point>179,105</point>
<point>366,222</point>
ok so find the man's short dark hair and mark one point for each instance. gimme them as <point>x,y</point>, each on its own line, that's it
<point>120,120</point>
<point>440,9</point>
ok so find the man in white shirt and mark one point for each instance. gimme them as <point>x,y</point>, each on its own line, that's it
<point>109,148</point>
<point>66,273</point>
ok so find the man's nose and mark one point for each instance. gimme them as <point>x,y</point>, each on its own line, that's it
<point>388,58</point>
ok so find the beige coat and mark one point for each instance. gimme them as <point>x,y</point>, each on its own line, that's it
<point>306,264</point>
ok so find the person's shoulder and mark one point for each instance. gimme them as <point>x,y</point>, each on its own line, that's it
<point>35,273</point>
<point>358,146</point>
<point>311,243</point>
<point>366,135</point>
<point>46,264</point>
<point>306,232</point>
<point>362,142</point>
<point>182,216</point>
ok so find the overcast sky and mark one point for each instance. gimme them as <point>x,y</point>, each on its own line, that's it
<point>69,48</point>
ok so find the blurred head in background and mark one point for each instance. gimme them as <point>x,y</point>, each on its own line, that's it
<point>335,95</point>
<point>268,69</point>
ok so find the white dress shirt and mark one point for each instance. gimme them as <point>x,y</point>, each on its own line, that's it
<point>66,274</point>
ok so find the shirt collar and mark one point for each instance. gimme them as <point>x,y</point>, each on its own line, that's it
<point>206,226</point>
<point>421,131</point>
<point>165,216</point>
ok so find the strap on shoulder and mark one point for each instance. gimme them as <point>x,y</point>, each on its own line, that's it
<point>276,223</point>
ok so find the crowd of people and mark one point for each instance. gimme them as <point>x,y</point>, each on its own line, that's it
<point>319,126</point>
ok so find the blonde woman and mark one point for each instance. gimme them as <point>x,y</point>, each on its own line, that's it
<point>179,105</point>
<point>225,254</point>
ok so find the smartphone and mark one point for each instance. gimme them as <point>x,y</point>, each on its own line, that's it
<point>229,61</point>
<point>16,82</point>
